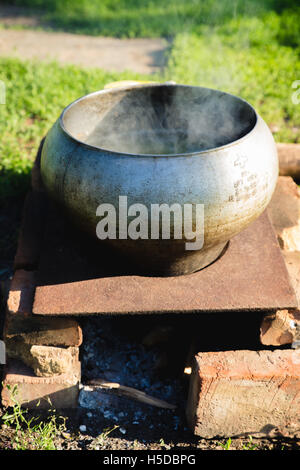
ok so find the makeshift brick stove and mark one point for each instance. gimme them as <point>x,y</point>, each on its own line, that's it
<point>232,392</point>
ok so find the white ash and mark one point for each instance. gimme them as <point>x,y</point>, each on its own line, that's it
<point>109,352</point>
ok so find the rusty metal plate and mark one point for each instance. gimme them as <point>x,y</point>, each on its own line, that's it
<point>75,279</point>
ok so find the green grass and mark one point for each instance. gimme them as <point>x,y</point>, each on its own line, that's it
<point>36,93</point>
<point>147,18</point>
<point>249,48</point>
<point>244,57</point>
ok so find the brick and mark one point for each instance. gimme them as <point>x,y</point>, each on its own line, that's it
<point>4,290</point>
<point>62,390</point>
<point>44,331</point>
<point>31,232</point>
<point>283,327</point>
<point>45,361</point>
<point>234,393</point>
<point>284,212</point>
<point>71,283</point>
<point>292,262</point>
<point>280,328</point>
<point>20,297</point>
<point>289,159</point>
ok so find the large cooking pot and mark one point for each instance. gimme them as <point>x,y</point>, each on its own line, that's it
<point>162,144</point>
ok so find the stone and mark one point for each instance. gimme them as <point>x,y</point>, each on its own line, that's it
<point>234,393</point>
<point>51,360</point>
<point>284,212</point>
<point>45,361</point>
<point>21,293</point>
<point>44,331</point>
<point>61,391</point>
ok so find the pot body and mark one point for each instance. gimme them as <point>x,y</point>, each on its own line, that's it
<point>233,183</point>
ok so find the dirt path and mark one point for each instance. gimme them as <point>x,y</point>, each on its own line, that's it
<point>143,56</point>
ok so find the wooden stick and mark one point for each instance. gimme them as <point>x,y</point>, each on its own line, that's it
<point>131,393</point>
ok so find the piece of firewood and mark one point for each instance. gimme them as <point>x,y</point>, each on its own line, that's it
<point>131,393</point>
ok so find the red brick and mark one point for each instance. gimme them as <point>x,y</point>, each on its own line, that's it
<point>31,232</point>
<point>284,211</point>
<point>20,297</point>
<point>44,331</point>
<point>244,392</point>
<point>280,328</point>
<point>62,390</point>
<point>292,262</point>
<point>283,326</point>
<point>45,361</point>
<point>289,159</point>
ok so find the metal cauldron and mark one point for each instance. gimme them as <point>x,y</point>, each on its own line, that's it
<point>162,144</point>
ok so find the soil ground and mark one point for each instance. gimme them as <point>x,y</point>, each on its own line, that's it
<point>140,438</point>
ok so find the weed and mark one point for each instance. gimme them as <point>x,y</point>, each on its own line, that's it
<point>100,440</point>
<point>250,445</point>
<point>29,432</point>
<point>163,444</point>
<point>227,444</point>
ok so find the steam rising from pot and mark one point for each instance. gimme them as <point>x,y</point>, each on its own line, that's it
<point>162,120</point>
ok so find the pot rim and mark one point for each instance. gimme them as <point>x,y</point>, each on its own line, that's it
<point>148,85</point>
